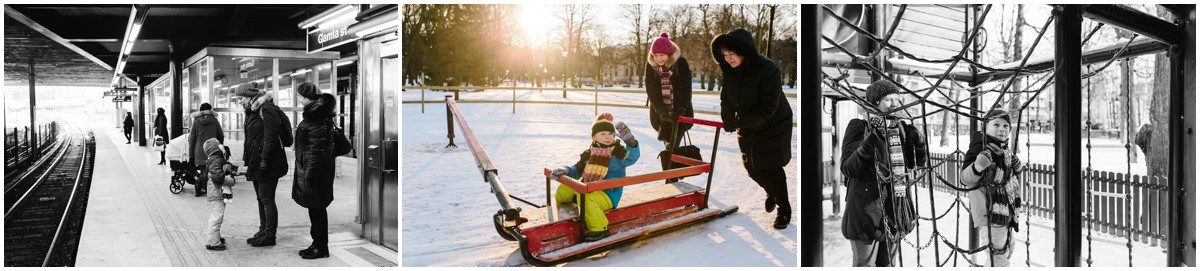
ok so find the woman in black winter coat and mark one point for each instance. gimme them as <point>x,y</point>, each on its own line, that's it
<point>312,186</point>
<point>669,90</point>
<point>128,127</point>
<point>160,129</point>
<point>753,104</point>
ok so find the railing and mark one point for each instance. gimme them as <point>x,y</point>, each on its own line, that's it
<point>596,104</point>
<point>18,151</point>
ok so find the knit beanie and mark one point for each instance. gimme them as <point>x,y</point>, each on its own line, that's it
<point>309,91</point>
<point>603,123</point>
<point>662,45</point>
<point>205,106</point>
<point>876,91</point>
<point>998,113</point>
<point>249,90</point>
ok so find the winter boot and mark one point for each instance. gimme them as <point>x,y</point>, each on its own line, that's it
<point>219,247</point>
<point>782,219</point>
<point>263,241</point>
<point>254,238</point>
<point>593,236</point>
<point>770,204</point>
<point>314,252</point>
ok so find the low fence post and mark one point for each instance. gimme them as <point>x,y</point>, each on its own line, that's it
<point>422,98</point>
<point>449,123</point>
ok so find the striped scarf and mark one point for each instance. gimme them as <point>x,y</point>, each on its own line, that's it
<point>664,75</point>
<point>597,162</point>
<point>896,157</point>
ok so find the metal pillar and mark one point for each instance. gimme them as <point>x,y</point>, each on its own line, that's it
<point>1068,183</point>
<point>1188,150</point>
<point>32,107</point>
<point>811,235</point>
<point>176,70</point>
<point>140,122</point>
<point>972,232</point>
<point>1179,162</point>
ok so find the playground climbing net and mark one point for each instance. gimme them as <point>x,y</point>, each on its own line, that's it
<point>925,173</point>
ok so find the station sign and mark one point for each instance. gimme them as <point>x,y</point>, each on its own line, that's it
<point>123,99</point>
<point>329,35</point>
<point>119,94</point>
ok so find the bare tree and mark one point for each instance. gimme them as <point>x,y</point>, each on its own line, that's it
<point>575,19</point>
<point>632,15</point>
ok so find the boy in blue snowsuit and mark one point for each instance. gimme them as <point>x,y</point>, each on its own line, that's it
<point>604,159</point>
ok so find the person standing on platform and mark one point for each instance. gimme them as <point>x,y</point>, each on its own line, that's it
<point>753,104</point>
<point>312,185</point>
<point>160,129</point>
<point>669,89</point>
<point>204,126</point>
<point>268,131</point>
<point>128,127</point>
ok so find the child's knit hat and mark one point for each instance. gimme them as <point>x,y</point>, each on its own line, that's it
<point>604,122</point>
<point>998,113</point>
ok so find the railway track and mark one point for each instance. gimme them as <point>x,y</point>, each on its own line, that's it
<point>45,206</point>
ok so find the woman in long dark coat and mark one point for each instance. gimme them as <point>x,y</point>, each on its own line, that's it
<point>312,185</point>
<point>160,129</point>
<point>669,90</point>
<point>753,104</point>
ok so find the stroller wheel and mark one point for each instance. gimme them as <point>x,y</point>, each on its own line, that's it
<point>176,185</point>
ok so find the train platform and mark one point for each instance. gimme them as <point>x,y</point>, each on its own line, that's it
<point>133,219</point>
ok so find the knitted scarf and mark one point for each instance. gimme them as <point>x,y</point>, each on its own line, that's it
<point>664,75</point>
<point>596,159</point>
<point>896,156</point>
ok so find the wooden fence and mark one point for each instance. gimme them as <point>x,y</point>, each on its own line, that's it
<point>1121,204</point>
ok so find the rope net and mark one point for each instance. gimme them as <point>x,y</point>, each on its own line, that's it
<point>925,174</point>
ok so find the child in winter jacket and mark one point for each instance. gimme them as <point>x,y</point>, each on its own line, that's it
<point>994,169</point>
<point>604,159</point>
<point>220,173</point>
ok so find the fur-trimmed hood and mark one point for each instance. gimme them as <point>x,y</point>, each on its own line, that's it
<point>260,100</point>
<point>321,108</point>
<point>670,59</point>
<point>740,41</point>
<point>205,117</point>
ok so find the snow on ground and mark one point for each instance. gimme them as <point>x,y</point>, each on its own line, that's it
<point>1106,250</point>
<point>447,208</point>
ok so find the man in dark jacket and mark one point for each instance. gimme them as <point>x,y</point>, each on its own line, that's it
<point>268,131</point>
<point>160,129</point>
<point>128,127</point>
<point>669,91</point>
<point>312,185</point>
<point>753,104</point>
<point>879,208</point>
<point>204,126</point>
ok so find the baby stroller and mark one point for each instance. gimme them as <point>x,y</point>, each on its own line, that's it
<point>183,170</point>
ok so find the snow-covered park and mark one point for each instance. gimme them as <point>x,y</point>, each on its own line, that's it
<point>447,208</point>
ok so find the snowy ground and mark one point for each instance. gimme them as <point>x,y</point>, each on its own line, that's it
<point>1105,250</point>
<point>447,207</point>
